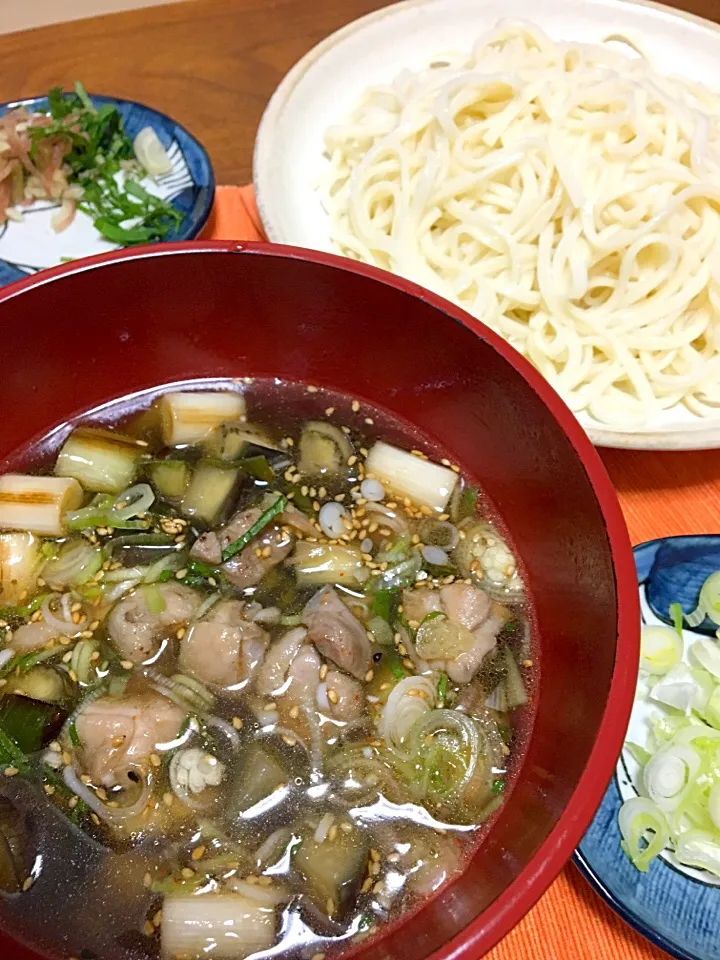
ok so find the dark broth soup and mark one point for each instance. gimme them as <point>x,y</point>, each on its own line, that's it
<point>262,660</point>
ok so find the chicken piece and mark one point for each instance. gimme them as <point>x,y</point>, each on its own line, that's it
<point>223,648</point>
<point>304,675</point>
<point>350,702</point>
<point>32,636</point>
<point>136,632</point>
<point>465,604</point>
<point>272,675</point>
<point>246,568</point>
<point>336,633</point>
<point>118,734</point>
<point>419,602</point>
<point>464,667</point>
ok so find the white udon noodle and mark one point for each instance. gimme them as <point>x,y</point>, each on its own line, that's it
<point>566,194</point>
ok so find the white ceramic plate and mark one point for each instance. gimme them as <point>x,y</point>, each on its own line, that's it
<point>328,81</point>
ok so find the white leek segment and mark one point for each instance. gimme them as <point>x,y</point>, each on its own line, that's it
<point>425,483</point>
<point>644,831</point>
<point>19,564</point>
<point>319,563</point>
<point>37,504</point>
<point>708,602</point>
<point>707,654</point>
<point>187,418</point>
<point>669,773</point>
<point>100,460</point>
<point>221,926</point>
<point>660,649</point>
<point>409,700</point>
<point>696,848</point>
<point>151,154</point>
<point>678,688</point>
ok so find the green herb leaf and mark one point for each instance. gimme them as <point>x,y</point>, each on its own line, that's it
<point>262,521</point>
<point>442,687</point>
<point>498,786</point>
<point>74,735</point>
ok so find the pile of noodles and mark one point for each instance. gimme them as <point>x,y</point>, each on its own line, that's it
<point>568,195</point>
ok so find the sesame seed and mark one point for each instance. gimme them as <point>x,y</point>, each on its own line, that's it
<point>155,760</point>
<point>67,657</point>
<point>323,671</point>
<point>270,705</point>
<point>318,956</point>
<point>181,574</point>
<point>379,887</point>
<point>374,856</point>
<point>198,853</point>
<point>95,819</point>
<point>355,406</point>
<point>126,664</point>
<point>369,421</point>
<point>73,802</point>
<point>351,461</point>
<point>11,771</point>
<point>332,833</point>
<point>375,869</point>
<point>311,389</point>
<point>147,880</point>
<point>73,676</point>
<point>527,663</point>
<point>393,857</point>
<point>290,442</point>
<point>148,929</point>
<point>181,633</point>
<point>294,713</point>
<point>264,881</point>
<point>290,741</point>
<point>187,873</point>
<point>330,906</point>
<point>346,827</point>
<point>367,884</point>
<point>27,883</point>
<point>329,411</point>
<point>237,723</point>
<point>168,799</point>
<point>66,757</point>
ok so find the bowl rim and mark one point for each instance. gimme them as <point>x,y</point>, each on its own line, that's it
<point>503,913</point>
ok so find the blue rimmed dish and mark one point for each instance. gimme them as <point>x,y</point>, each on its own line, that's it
<point>31,244</point>
<point>675,907</point>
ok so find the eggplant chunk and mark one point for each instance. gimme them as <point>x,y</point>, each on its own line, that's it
<point>333,869</point>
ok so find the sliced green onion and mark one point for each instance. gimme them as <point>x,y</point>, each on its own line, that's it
<point>77,562</point>
<point>644,830</point>
<point>676,615</point>
<point>73,734</point>
<point>153,598</point>
<point>10,752</point>
<point>263,520</point>
<point>383,602</point>
<point>442,687</point>
<point>661,649</point>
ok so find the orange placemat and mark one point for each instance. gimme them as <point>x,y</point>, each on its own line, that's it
<point>661,494</point>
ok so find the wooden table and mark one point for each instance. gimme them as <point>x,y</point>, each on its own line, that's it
<point>211,64</point>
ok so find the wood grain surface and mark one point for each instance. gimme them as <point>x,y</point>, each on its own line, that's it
<point>211,64</point>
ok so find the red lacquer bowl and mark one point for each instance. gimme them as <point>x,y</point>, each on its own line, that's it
<point>92,331</point>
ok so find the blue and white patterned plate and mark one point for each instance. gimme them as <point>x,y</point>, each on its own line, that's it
<point>674,906</point>
<point>32,244</point>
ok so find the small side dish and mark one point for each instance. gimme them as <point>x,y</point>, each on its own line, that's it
<point>79,156</point>
<point>678,808</point>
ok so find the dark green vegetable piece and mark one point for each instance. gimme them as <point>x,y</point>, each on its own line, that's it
<point>258,467</point>
<point>383,602</point>
<point>442,687</point>
<point>468,502</point>
<point>96,149</point>
<point>498,786</point>
<point>263,520</point>
<point>30,724</point>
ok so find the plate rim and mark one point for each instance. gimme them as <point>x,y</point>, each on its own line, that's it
<point>700,434</point>
<point>582,863</point>
<point>204,215</point>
